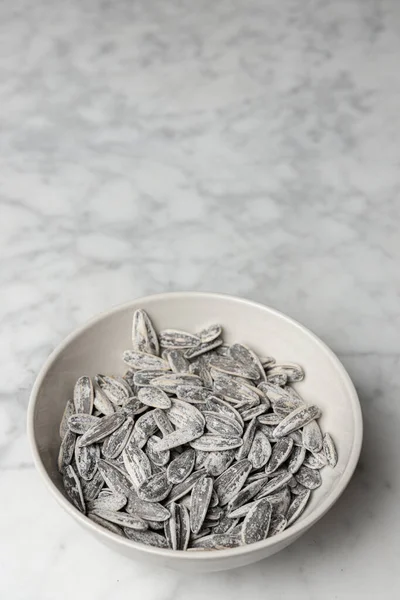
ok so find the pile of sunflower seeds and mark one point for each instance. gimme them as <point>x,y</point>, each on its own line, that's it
<point>199,446</point>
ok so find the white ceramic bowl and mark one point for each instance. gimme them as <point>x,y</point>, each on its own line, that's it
<point>97,347</point>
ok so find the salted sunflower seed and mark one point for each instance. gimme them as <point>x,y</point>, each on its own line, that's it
<point>152,396</point>
<point>280,501</point>
<point>192,394</point>
<point>202,348</point>
<point>178,438</point>
<point>172,528</point>
<point>246,356</point>
<point>183,488</point>
<point>296,459</point>
<point>151,512</point>
<point>149,538</point>
<point>217,462</point>
<point>274,484</point>
<point>183,529</point>
<point>101,403</point>
<point>232,480</point>
<point>73,489</point>
<point>312,437</point>
<point>81,422</point>
<point>298,418</point>
<point>66,451</point>
<point>177,362</point>
<point>210,333</point>
<point>315,461</point>
<point>171,381</point>
<point>210,442</point>
<point>144,337</point>
<point>278,524</point>
<point>115,389</point>
<point>83,395</point>
<point>114,477</point>
<point>86,458</point>
<point>234,390</point>
<point>91,489</point>
<point>280,453</point>
<point>260,450</point>
<point>310,478</point>
<point>201,496</point>
<point>293,372</point>
<point>297,507</point>
<point>142,378</point>
<point>155,488</point>
<point>106,426</point>
<point>214,404</point>
<point>216,542</point>
<point>116,442</point>
<point>111,501</point>
<point>160,458</point>
<point>277,376</point>
<point>162,422</point>
<point>185,416</point>
<point>181,467</point>
<point>246,494</point>
<point>143,361</point>
<point>330,450</point>
<point>271,419</point>
<point>256,411</point>
<point>106,524</point>
<point>220,423</point>
<point>256,523</point>
<point>174,338</point>
<point>248,438</point>
<point>136,463</point>
<point>122,519</point>
<point>232,367</point>
<point>144,427</point>
<point>69,410</point>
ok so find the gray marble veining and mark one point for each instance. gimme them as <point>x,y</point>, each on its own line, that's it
<point>249,147</point>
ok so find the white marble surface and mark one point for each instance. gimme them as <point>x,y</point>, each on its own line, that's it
<point>249,147</point>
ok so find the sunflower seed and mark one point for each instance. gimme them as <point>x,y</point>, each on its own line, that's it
<point>92,488</point>
<point>310,478</point>
<point>232,480</point>
<point>216,542</point>
<point>66,451</point>
<point>143,361</point>
<point>170,381</point>
<point>184,415</point>
<point>181,467</point>
<point>81,422</point>
<point>297,507</point>
<point>201,496</point>
<point>210,333</point>
<point>251,413</point>
<point>315,461</point>
<point>144,337</point>
<point>296,459</point>
<point>102,403</point>
<point>296,419</point>
<point>83,395</point>
<point>246,494</point>
<point>293,372</point>
<point>86,458</point>
<point>116,442</point>
<point>102,429</point>
<point>114,478</point>
<point>73,489</point>
<point>142,378</point>
<point>219,423</point>
<point>183,488</point>
<point>214,404</point>
<point>177,362</point>
<point>232,367</point>
<point>244,355</point>
<point>278,524</point>
<point>296,488</point>
<point>162,422</point>
<point>174,338</point>
<point>234,390</point>
<point>330,450</point>
<point>273,392</point>
<point>144,427</point>
<point>122,519</point>
<point>155,488</point>
<point>152,396</point>
<point>312,437</point>
<point>277,376</point>
<point>136,463</point>
<point>111,501</point>
<point>280,453</point>
<point>200,368</point>
<point>68,412</point>
<point>151,512</point>
<point>248,438</point>
<point>150,538</point>
<point>274,484</point>
<point>106,524</point>
<point>271,419</point>
<point>217,462</point>
<point>210,442</point>
<point>171,532</point>
<point>202,348</point>
<point>192,394</point>
<point>256,523</point>
<point>156,457</point>
<point>183,528</point>
<point>260,451</point>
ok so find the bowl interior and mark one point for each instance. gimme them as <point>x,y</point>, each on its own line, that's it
<point>97,348</point>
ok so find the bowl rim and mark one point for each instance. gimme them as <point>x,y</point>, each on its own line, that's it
<point>204,556</point>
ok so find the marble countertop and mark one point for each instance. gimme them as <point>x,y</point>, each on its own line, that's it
<point>249,147</point>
